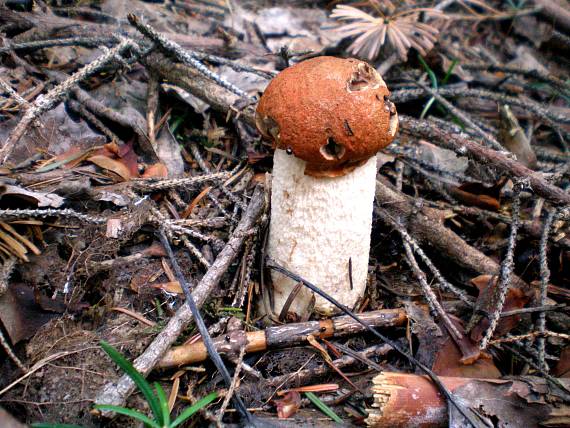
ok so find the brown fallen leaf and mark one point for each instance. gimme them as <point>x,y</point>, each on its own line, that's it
<point>158,170</point>
<point>112,165</point>
<point>169,287</point>
<point>516,299</point>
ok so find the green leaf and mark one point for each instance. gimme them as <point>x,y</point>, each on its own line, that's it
<point>429,71</point>
<point>50,425</point>
<point>163,404</point>
<point>128,412</point>
<point>449,71</point>
<point>323,407</point>
<point>138,378</point>
<point>198,405</point>
<point>433,79</point>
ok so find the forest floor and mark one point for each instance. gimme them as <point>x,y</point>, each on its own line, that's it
<point>131,168</point>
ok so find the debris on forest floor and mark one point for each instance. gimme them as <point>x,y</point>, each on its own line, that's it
<point>135,193</point>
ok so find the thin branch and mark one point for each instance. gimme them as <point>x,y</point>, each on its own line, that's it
<point>465,147</point>
<point>501,289</point>
<point>544,280</point>
<point>182,55</point>
<point>48,101</point>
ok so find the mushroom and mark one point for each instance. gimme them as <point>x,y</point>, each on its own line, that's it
<point>328,117</point>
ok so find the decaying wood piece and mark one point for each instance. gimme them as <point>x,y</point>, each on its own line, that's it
<point>115,393</point>
<point>282,336</point>
<point>190,80</point>
<point>408,400</point>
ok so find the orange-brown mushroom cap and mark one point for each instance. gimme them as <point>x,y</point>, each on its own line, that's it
<point>333,113</point>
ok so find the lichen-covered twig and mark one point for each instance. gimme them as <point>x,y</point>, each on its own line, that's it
<point>405,95</point>
<point>182,55</point>
<point>500,292</point>
<point>46,102</point>
<point>429,295</point>
<point>90,42</point>
<point>443,283</point>
<point>6,346</point>
<point>488,138</point>
<point>156,184</point>
<point>13,94</point>
<point>465,147</point>
<point>544,280</point>
<point>534,73</point>
<point>67,212</point>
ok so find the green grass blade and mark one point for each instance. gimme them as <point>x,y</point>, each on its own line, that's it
<point>427,107</point>
<point>163,404</point>
<point>449,71</point>
<point>128,412</point>
<point>323,407</point>
<point>433,79</point>
<point>138,378</point>
<point>198,405</point>
<point>430,72</point>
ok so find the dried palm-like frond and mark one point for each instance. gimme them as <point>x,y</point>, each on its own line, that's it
<point>402,30</point>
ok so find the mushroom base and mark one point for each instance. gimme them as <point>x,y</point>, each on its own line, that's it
<point>317,226</point>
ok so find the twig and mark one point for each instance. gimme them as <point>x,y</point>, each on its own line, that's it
<point>427,227</point>
<point>544,280</point>
<point>443,283</point>
<point>8,350</point>
<point>302,376</point>
<point>81,110</point>
<point>532,335</point>
<point>90,42</point>
<point>283,336</point>
<point>539,110</point>
<point>465,147</point>
<point>488,138</point>
<point>545,308</point>
<point>13,94</point>
<point>156,184</point>
<point>531,363</point>
<point>532,73</point>
<point>67,212</point>
<point>204,167</point>
<point>428,293</point>
<point>46,102</point>
<point>232,388</point>
<point>500,292</point>
<point>115,393</point>
<point>182,55</point>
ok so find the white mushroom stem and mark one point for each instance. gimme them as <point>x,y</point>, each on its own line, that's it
<point>317,226</point>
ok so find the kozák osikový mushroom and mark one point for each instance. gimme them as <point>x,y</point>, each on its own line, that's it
<point>327,118</point>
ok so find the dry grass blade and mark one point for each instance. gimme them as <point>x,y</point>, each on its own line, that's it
<point>14,246</point>
<point>21,238</point>
<point>402,31</point>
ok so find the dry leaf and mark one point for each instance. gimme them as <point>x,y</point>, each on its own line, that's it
<point>111,165</point>
<point>158,170</point>
<point>402,30</point>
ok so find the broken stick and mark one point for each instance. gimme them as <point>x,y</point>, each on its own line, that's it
<point>281,336</point>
